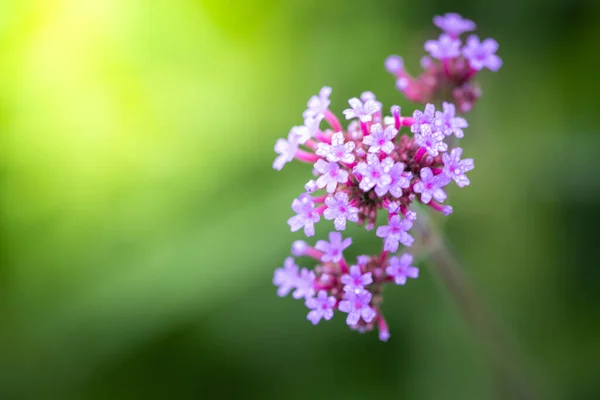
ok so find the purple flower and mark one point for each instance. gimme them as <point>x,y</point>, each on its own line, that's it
<point>317,105</point>
<point>396,231</point>
<point>455,168</point>
<point>394,64</point>
<point>482,54</point>
<point>453,24</point>
<point>448,123</point>
<point>381,140</point>
<point>339,210</point>
<point>304,284</point>
<point>312,127</point>
<point>374,173</point>
<point>400,269</point>
<point>445,47</point>
<point>431,140</point>
<point>360,110</point>
<point>400,179</point>
<point>306,216</point>
<point>286,277</point>
<point>431,186</point>
<point>321,306</point>
<point>370,96</point>
<point>357,307</point>
<point>426,117</point>
<point>356,281</point>
<point>332,250</point>
<point>338,150</point>
<point>286,150</point>
<point>301,133</point>
<point>331,174</point>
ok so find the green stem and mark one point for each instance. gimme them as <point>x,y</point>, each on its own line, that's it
<point>511,374</point>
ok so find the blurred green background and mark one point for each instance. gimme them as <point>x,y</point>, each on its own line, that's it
<point>141,222</point>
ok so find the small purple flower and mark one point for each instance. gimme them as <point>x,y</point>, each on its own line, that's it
<point>448,123</point>
<point>396,231</point>
<point>370,96</point>
<point>321,306</point>
<point>356,281</point>
<point>431,140</point>
<point>301,133</point>
<point>394,64</point>
<point>285,278</point>
<point>445,47</point>
<point>357,307</point>
<point>286,149</point>
<point>426,117</point>
<point>331,174</point>
<point>455,168</point>
<point>317,105</point>
<point>400,179</point>
<point>482,54</point>
<point>453,24</point>
<point>361,111</point>
<point>312,127</point>
<point>400,269</point>
<point>339,210</point>
<point>304,284</point>
<point>381,140</point>
<point>306,216</point>
<point>338,150</point>
<point>374,172</point>
<point>430,186</point>
<point>332,250</point>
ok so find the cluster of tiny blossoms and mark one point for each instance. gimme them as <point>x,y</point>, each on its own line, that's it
<point>450,68</point>
<point>373,164</point>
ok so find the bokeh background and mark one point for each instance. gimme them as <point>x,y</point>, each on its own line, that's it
<point>141,221</point>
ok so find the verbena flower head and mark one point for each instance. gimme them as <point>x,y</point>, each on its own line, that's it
<point>449,73</point>
<point>379,164</point>
<point>385,164</point>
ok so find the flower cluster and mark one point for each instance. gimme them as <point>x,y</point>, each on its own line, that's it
<point>451,65</point>
<point>376,164</point>
<point>371,166</point>
<point>351,289</point>
<point>367,167</point>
